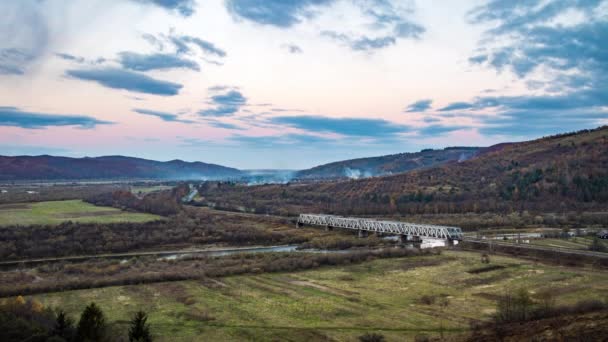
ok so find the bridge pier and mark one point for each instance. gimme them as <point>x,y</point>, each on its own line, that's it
<point>328,228</point>
<point>299,224</point>
<point>362,233</point>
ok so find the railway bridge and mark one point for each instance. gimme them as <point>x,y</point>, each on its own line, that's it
<point>408,231</point>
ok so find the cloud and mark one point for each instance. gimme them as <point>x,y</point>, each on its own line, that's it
<point>434,130</point>
<point>232,97</point>
<point>279,13</point>
<point>406,29</point>
<point>456,106</point>
<point>69,57</point>
<point>533,39</point>
<point>292,48</point>
<point>226,104</point>
<point>162,115</point>
<point>183,7</point>
<point>371,128</point>
<point>390,19</point>
<point>80,60</point>
<point>224,125</point>
<point>157,61</point>
<point>205,46</point>
<point>272,141</point>
<point>11,116</point>
<point>419,106</point>
<point>24,35</point>
<point>541,123</point>
<point>123,79</point>
<point>362,43</point>
<point>561,56</point>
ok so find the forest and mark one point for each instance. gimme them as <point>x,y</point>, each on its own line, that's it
<point>557,174</point>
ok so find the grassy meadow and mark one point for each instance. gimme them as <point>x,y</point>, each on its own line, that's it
<point>55,212</point>
<point>400,298</point>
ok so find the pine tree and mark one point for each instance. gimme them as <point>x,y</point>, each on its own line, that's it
<point>139,330</point>
<point>64,326</point>
<point>92,324</point>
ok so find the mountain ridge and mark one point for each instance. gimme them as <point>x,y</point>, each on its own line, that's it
<point>48,167</point>
<point>387,164</point>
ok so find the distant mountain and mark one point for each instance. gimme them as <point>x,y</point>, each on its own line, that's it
<point>389,164</point>
<point>110,167</point>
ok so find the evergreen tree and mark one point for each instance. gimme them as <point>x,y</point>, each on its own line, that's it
<point>92,324</point>
<point>140,329</point>
<point>64,326</point>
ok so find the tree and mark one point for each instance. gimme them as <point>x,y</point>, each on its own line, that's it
<point>92,324</point>
<point>597,246</point>
<point>64,326</point>
<point>140,329</point>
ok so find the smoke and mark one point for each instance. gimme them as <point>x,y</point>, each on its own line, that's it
<point>465,156</point>
<point>257,177</point>
<point>356,173</point>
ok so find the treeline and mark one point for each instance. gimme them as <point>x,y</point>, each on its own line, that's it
<point>164,203</point>
<point>517,314</point>
<point>101,273</point>
<point>20,242</point>
<point>19,193</point>
<point>29,320</point>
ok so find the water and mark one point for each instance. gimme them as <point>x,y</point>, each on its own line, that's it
<point>223,252</point>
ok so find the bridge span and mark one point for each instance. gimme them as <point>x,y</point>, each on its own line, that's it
<point>407,231</point>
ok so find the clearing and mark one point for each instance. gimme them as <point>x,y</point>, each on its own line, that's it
<point>399,298</point>
<point>55,212</point>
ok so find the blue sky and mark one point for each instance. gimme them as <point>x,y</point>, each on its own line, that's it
<point>295,83</point>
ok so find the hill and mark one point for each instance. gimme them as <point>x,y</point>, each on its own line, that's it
<point>387,165</point>
<point>110,167</point>
<point>562,173</point>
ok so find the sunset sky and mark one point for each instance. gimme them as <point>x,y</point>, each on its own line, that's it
<point>292,84</point>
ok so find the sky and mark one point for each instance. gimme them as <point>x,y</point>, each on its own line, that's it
<point>290,84</point>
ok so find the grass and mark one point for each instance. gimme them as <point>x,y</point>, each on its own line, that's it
<point>338,303</point>
<point>55,212</point>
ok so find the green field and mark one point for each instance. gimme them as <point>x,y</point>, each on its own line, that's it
<point>339,303</point>
<point>55,212</point>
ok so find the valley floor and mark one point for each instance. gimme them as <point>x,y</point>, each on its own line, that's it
<point>55,212</point>
<point>400,298</point>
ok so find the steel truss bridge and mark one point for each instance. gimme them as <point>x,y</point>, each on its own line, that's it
<point>410,230</point>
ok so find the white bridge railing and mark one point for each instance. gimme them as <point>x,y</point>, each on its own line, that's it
<point>392,227</point>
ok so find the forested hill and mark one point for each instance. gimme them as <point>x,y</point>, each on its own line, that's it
<point>389,164</point>
<point>111,167</point>
<point>555,174</point>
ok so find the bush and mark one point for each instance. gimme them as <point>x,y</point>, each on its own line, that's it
<point>371,337</point>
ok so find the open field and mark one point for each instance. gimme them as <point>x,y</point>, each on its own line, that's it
<point>400,298</point>
<point>55,212</point>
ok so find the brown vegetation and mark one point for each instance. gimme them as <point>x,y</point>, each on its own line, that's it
<point>568,172</point>
<point>100,273</point>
